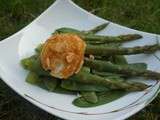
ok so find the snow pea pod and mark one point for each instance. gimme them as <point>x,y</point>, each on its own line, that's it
<point>103,98</point>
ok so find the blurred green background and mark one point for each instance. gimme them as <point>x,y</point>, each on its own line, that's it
<point>15,14</point>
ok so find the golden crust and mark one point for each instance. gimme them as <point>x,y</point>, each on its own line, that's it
<point>63,55</point>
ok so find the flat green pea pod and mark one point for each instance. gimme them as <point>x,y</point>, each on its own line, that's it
<point>77,86</point>
<point>61,90</point>
<point>53,85</point>
<point>33,79</point>
<point>33,64</point>
<point>103,98</point>
<point>50,83</point>
<point>90,97</point>
<point>43,82</point>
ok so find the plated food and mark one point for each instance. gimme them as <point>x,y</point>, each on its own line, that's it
<point>91,66</point>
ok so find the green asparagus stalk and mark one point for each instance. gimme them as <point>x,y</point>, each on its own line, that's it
<point>96,29</point>
<point>119,59</point>
<point>89,78</point>
<point>89,35</point>
<point>105,51</point>
<point>109,75</point>
<point>99,38</point>
<point>68,30</point>
<point>121,69</point>
<point>110,39</point>
<point>91,31</point>
<point>112,75</point>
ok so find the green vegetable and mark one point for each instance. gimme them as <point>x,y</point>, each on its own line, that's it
<point>105,51</point>
<point>89,35</point>
<point>88,78</point>
<point>98,82</point>
<point>77,86</point>
<point>47,83</point>
<point>119,59</point>
<point>110,39</point>
<point>108,74</point>
<point>115,76</point>
<point>139,66</point>
<point>91,31</point>
<point>68,30</point>
<point>90,97</point>
<point>33,64</point>
<point>100,65</point>
<point>103,98</point>
<point>85,77</point>
<point>96,29</point>
<point>50,83</point>
<point>38,49</point>
<point>61,90</point>
<point>33,78</point>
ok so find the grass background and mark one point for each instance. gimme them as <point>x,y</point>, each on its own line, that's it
<point>15,14</point>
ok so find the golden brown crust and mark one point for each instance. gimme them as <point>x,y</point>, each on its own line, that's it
<point>63,55</point>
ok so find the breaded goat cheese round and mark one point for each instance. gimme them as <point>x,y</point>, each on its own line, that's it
<point>63,55</point>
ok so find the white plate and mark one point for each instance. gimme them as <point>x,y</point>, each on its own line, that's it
<point>66,13</point>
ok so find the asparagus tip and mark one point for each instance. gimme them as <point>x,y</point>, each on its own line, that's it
<point>132,36</point>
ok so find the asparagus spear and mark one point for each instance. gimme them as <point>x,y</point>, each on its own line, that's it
<point>110,39</point>
<point>119,59</point>
<point>121,69</point>
<point>91,31</point>
<point>105,51</point>
<point>112,75</point>
<point>68,30</point>
<point>109,75</point>
<point>96,29</point>
<point>89,78</point>
<point>89,35</point>
<point>99,38</point>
